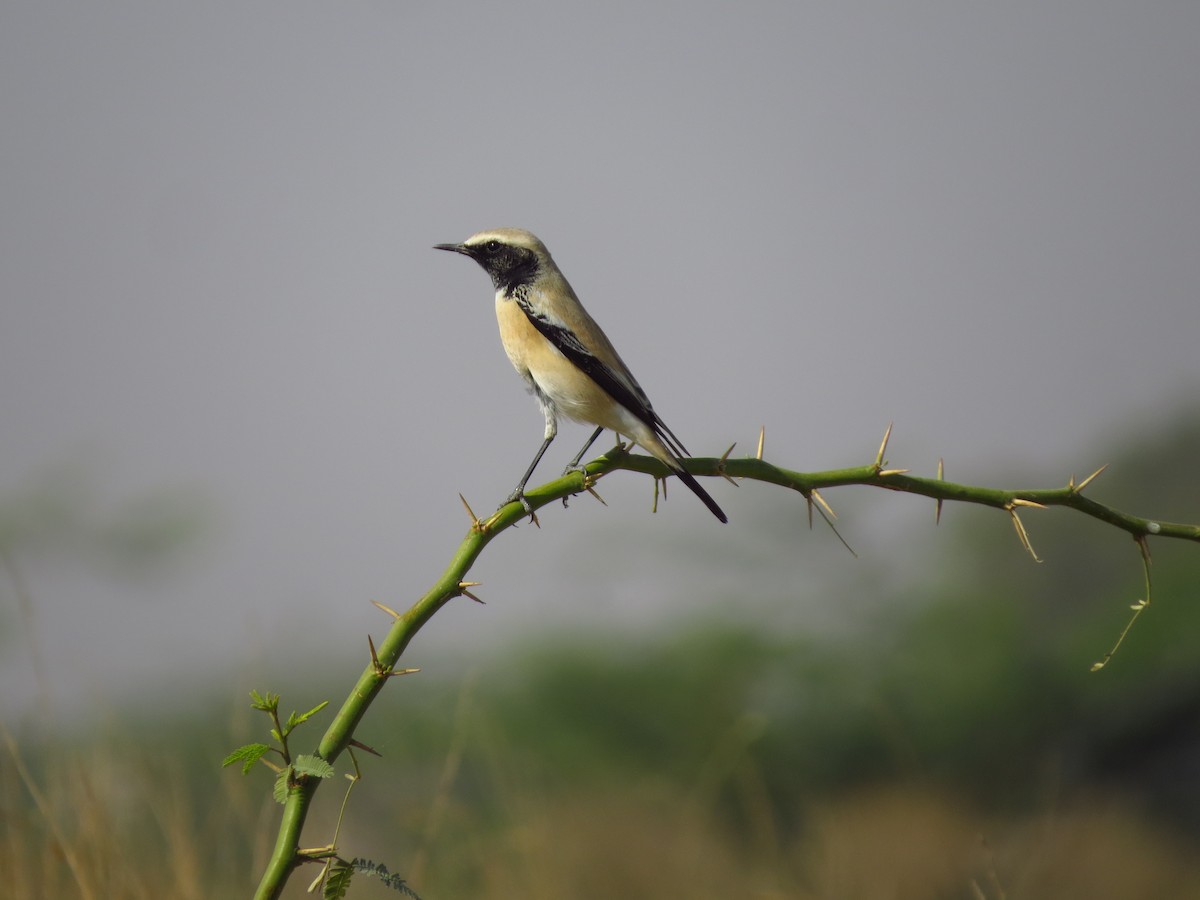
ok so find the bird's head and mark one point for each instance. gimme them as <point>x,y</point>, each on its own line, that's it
<point>511,256</point>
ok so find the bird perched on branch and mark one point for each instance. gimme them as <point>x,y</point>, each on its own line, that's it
<point>560,351</point>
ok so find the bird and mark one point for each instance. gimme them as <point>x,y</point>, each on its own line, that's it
<point>567,361</point>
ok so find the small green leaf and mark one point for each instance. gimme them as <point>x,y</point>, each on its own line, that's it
<point>247,755</point>
<point>386,878</point>
<point>337,882</point>
<point>307,764</point>
<point>295,720</point>
<point>265,702</point>
<point>282,780</point>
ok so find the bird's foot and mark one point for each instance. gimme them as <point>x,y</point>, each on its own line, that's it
<point>576,466</point>
<point>581,468</point>
<point>518,496</point>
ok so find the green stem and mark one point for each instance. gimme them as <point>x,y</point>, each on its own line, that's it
<point>287,856</point>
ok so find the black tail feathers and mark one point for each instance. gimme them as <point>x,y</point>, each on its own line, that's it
<point>686,477</point>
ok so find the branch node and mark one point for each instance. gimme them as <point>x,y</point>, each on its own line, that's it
<point>721,464</point>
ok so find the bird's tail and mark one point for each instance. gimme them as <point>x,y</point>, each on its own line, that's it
<point>667,450</point>
<point>686,477</point>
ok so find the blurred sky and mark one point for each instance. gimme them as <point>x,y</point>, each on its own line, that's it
<point>980,221</point>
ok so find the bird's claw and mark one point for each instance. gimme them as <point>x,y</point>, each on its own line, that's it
<point>579,467</point>
<point>518,496</point>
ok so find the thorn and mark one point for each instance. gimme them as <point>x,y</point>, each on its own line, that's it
<point>941,476</point>
<point>1088,480</point>
<point>721,464</point>
<point>1017,501</point>
<point>845,543</point>
<point>591,490</point>
<point>464,592</point>
<point>883,447</point>
<point>884,473</point>
<point>387,609</point>
<point>762,436</point>
<point>816,495</point>
<point>475,523</point>
<point>1021,532</point>
<point>814,498</point>
<point>380,669</point>
<point>362,746</point>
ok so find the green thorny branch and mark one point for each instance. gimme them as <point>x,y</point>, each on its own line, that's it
<point>287,854</point>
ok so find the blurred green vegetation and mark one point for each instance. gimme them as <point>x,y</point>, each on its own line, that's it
<point>952,743</point>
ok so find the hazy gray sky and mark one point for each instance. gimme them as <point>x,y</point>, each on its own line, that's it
<point>980,221</point>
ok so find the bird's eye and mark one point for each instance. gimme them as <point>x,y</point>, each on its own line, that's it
<point>492,247</point>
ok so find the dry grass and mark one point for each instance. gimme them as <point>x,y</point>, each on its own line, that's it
<point>110,824</point>
<point>114,823</point>
<point>886,844</point>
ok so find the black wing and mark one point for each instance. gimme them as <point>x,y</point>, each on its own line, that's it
<point>595,368</point>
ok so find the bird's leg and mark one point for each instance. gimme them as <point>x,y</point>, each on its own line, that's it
<point>551,430</point>
<point>519,492</point>
<point>573,465</point>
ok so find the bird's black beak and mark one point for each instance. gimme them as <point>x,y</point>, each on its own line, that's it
<point>453,248</point>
